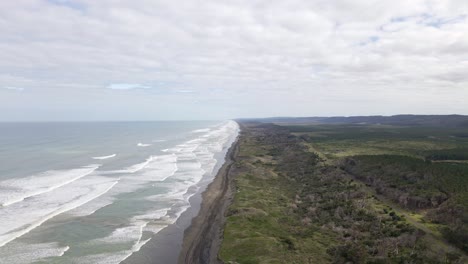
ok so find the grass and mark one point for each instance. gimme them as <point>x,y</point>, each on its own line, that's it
<point>411,140</point>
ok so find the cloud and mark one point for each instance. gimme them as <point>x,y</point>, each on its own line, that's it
<point>16,89</point>
<point>68,3</point>
<point>127,86</point>
<point>438,22</point>
<point>294,58</point>
<point>185,91</point>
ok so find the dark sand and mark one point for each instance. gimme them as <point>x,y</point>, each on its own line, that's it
<point>166,246</point>
<point>203,238</point>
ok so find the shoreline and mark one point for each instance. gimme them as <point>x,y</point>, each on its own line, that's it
<point>166,245</point>
<point>202,239</point>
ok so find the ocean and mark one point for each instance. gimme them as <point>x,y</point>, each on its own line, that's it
<point>98,192</point>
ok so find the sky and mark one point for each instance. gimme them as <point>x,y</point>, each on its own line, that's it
<point>75,60</point>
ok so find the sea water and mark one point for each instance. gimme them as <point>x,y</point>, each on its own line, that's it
<point>97,192</point>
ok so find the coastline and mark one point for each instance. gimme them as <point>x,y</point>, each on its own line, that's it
<point>202,239</point>
<point>166,245</point>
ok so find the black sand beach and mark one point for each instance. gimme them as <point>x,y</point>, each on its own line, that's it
<point>203,238</point>
<point>189,240</point>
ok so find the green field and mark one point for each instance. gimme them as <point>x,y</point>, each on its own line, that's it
<point>349,140</point>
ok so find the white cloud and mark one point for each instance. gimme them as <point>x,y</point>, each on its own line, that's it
<point>127,86</point>
<point>184,91</point>
<point>16,89</point>
<point>292,57</point>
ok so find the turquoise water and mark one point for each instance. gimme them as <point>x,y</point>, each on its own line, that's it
<point>97,192</point>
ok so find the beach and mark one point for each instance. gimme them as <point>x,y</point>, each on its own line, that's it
<point>202,239</point>
<point>195,236</point>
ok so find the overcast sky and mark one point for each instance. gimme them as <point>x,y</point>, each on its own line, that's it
<point>153,60</point>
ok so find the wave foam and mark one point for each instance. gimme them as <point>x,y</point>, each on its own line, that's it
<point>16,190</point>
<point>131,235</point>
<point>20,253</point>
<point>21,218</point>
<point>139,166</point>
<point>203,130</point>
<point>105,157</point>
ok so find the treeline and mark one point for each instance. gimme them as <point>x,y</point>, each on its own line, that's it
<point>441,188</point>
<point>328,200</point>
<point>448,154</point>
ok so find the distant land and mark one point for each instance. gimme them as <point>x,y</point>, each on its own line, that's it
<point>396,120</point>
<point>360,189</point>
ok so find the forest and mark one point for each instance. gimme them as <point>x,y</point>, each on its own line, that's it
<point>348,193</point>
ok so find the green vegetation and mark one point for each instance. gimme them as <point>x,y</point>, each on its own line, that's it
<point>448,154</point>
<point>420,168</point>
<point>348,194</point>
<point>348,140</point>
<point>262,226</point>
